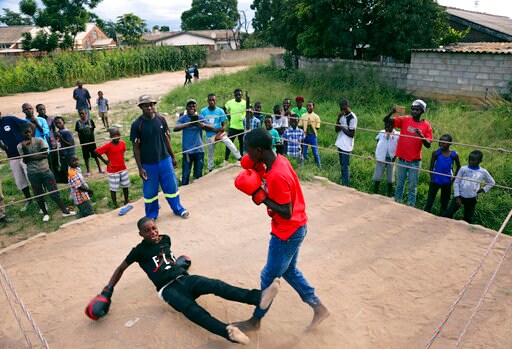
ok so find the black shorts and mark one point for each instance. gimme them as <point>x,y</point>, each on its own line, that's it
<point>88,151</point>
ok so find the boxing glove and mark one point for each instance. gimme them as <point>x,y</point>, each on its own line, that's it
<point>249,182</point>
<point>98,307</point>
<point>184,262</point>
<point>107,292</point>
<point>248,164</point>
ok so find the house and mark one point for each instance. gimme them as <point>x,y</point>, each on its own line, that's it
<point>93,38</point>
<point>484,27</point>
<point>212,39</point>
<point>12,36</point>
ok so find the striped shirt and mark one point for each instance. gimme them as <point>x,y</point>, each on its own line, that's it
<point>76,180</point>
<point>293,137</point>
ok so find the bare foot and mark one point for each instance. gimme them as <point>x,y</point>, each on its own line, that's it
<point>321,313</point>
<point>253,324</point>
<point>268,294</point>
<point>236,335</point>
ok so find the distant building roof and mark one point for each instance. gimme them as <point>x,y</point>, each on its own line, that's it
<point>499,26</point>
<point>474,47</point>
<point>11,35</point>
<point>210,34</point>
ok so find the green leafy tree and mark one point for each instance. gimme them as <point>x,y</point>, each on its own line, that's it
<point>164,28</point>
<point>65,18</point>
<point>156,27</point>
<point>26,41</point>
<point>45,42</point>
<point>131,27</point>
<point>13,18</point>
<point>210,15</point>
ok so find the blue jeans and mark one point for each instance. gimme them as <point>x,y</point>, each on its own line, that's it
<point>345,167</point>
<point>196,159</point>
<point>313,142</point>
<point>161,174</point>
<point>282,262</point>
<point>402,173</point>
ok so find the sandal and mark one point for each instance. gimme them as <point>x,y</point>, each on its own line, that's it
<point>185,214</point>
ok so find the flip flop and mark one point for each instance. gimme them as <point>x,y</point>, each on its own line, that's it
<point>125,210</point>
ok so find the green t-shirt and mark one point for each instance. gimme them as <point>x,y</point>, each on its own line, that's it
<point>36,146</point>
<point>237,112</point>
<point>300,111</point>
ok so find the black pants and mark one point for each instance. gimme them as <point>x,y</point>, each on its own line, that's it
<point>232,134</point>
<point>183,292</point>
<point>469,208</point>
<point>433,188</point>
<point>53,161</point>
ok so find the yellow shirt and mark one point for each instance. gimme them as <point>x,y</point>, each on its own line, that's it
<point>309,119</point>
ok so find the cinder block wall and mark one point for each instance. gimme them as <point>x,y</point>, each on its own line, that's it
<point>439,75</point>
<point>459,74</point>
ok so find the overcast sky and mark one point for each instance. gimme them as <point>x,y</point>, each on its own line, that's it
<point>169,12</point>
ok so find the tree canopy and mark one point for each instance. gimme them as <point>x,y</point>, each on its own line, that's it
<point>131,27</point>
<point>339,28</point>
<point>210,15</point>
<point>13,18</point>
<point>65,18</point>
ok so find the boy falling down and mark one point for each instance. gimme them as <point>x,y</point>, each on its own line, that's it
<point>116,167</point>
<point>180,289</point>
<point>467,186</point>
<point>80,191</point>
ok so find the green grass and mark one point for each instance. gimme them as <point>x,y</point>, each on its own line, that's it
<point>369,100</point>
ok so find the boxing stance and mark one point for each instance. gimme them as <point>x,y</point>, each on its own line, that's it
<point>179,289</point>
<point>282,194</point>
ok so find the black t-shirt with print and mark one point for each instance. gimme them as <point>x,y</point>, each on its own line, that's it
<point>157,261</point>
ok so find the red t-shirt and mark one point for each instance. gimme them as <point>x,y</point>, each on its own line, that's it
<point>408,148</point>
<point>282,185</point>
<point>115,154</point>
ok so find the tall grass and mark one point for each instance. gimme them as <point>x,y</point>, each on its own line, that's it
<point>65,68</point>
<point>370,101</point>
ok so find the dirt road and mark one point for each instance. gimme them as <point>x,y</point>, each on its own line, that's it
<point>60,101</point>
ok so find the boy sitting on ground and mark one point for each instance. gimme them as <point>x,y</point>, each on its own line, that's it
<point>80,191</point>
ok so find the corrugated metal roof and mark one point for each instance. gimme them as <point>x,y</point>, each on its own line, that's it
<point>474,47</point>
<point>498,23</point>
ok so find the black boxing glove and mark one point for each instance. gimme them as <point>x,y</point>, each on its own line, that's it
<point>107,292</point>
<point>183,262</point>
<point>98,307</point>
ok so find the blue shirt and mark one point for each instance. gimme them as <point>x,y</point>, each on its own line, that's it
<point>10,134</point>
<point>254,123</point>
<point>81,95</point>
<point>192,136</point>
<point>443,164</point>
<point>294,138</point>
<point>45,134</point>
<point>213,117</point>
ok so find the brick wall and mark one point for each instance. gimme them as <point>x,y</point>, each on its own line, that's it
<point>472,75</point>
<point>439,75</point>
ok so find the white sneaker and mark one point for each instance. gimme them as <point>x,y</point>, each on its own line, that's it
<point>71,213</point>
<point>224,163</point>
<point>25,207</point>
<point>46,218</point>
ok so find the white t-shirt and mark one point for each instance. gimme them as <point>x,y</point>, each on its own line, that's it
<point>386,145</point>
<point>281,122</point>
<point>343,141</point>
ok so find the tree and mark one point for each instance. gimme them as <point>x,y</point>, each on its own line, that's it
<point>131,28</point>
<point>110,29</point>
<point>210,15</point>
<point>156,28</point>
<point>65,18</point>
<point>164,28</point>
<point>13,18</point>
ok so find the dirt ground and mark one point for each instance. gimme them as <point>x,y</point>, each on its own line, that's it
<point>60,101</point>
<point>387,272</point>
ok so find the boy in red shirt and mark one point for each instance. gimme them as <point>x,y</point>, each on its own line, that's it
<point>270,179</point>
<point>414,133</point>
<point>116,168</point>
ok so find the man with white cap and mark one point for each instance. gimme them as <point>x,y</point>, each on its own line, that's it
<point>414,133</point>
<point>155,159</point>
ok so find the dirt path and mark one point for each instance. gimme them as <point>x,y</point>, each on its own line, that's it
<point>60,101</point>
<point>387,272</point>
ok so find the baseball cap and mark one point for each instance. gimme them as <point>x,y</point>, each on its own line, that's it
<point>191,100</point>
<point>145,99</point>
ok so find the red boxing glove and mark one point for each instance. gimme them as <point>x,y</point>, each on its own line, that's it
<point>249,182</point>
<point>248,164</point>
